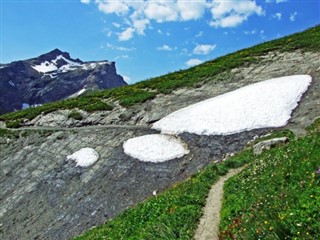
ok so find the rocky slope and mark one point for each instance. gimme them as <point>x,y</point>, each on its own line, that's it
<point>50,77</point>
<point>45,196</point>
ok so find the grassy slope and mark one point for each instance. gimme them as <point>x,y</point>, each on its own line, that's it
<point>277,196</point>
<point>215,70</point>
<point>172,214</point>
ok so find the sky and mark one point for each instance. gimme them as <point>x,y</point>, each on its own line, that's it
<point>147,38</point>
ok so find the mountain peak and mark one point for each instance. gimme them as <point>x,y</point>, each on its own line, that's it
<point>53,55</point>
<point>55,51</point>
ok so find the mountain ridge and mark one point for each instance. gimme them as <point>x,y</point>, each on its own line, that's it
<point>50,77</point>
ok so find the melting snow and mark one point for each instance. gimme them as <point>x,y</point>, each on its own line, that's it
<point>155,148</point>
<point>25,106</point>
<point>67,60</point>
<point>45,67</point>
<point>81,91</point>
<point>261,105</point>
<point>85,157</point>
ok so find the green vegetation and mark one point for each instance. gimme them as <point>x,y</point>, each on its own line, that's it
<point>6,133</point>
<point>278,195</point>
<point>89,104</point>
<point>172,214</point>
<point>215,70</point>
<point>75,115</point>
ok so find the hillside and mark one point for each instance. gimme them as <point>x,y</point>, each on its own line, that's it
<point>46,196</point>
<point>220,70</point>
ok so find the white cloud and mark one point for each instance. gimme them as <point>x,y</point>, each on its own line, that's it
<point>161,11</point>
<point>113,47</point>
<point>293,16</point>
<point>139,15</point>
<point>165,48</point>
<point>252,32</point>
<point>200,34</point>
<point>193,62</point>
<point>85,1</point>
<point>277,16</point>
<point>232,13</point>
<point>122,56</point>
<point>117,25</point>
<point>141,25</point>
<point>126,78</point>
<point>109,6</point>
<point>126,34</point>
<point>191,10</point>
<point>203,49</point>
<point>229,21</point>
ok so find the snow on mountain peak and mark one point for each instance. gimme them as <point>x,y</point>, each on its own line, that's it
<point>68,65</point>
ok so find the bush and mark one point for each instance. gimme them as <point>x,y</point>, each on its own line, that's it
<point>13,124</point>
<point>75,115</point>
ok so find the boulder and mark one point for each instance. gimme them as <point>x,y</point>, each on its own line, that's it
<point>267,144</point>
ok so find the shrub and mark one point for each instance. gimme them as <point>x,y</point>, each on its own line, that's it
<point>75,115</point>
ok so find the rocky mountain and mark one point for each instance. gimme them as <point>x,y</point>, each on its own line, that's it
<point>50,77</point>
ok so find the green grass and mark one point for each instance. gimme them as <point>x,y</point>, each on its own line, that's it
<point>288,171</point>
<point>278,195</point>
<point>172,214</point>
<point>6,133</point>
<point>75,115</point>
<point>89,104</point>
<point>215,70</point>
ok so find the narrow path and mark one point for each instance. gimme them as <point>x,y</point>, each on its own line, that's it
<point>208,228</point>
<point>90,127</point>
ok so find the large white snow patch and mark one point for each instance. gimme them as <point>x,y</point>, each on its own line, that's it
<point>85,157</point>
<point>155,148</point>
<point>260,105</point>
<point>45,67</point>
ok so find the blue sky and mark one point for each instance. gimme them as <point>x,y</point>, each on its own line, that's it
<point>147,38</point>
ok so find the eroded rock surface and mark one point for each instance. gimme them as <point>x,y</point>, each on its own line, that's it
<point>45,196</point>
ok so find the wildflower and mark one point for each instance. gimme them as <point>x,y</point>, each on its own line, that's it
<point>270,228</point>
<point>265,222</point>
<point>299,224</point>
<point>318,171</point>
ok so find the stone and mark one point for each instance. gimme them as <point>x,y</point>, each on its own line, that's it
<point>267,144</point>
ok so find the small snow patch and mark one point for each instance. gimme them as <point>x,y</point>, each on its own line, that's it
<point>260,105</point>
<point>85,157</point>
<point>12,83</point>
<point>81,91</point>
<point>155,148</point>
<point>45,67</point>
<point>25,106</point>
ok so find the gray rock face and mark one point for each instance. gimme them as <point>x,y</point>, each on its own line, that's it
<point>45,196</point>
<point>266,145</point>
<point>50,77</point>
